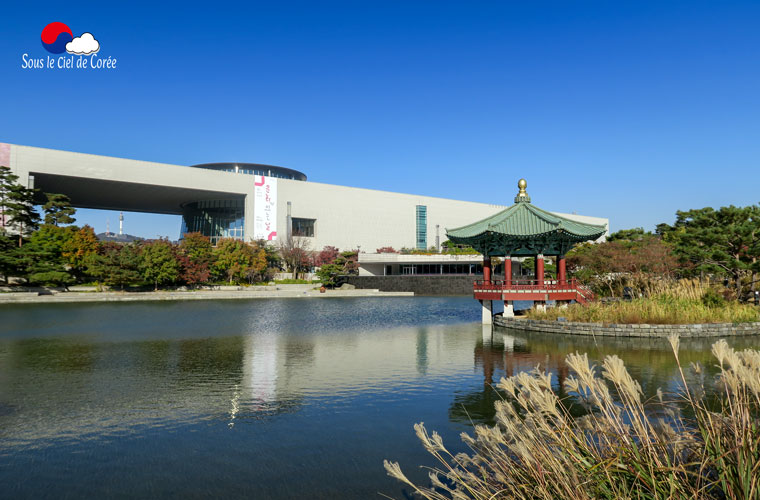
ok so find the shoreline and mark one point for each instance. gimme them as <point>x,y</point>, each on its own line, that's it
<point>71,297</point>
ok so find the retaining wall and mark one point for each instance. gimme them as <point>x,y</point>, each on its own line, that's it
<point>420,285</point>
<point>620,330</point>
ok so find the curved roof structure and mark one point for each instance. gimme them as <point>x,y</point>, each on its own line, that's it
<point>255,169</point>
<point>524,229</point>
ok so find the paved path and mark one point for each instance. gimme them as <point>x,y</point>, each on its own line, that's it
<point>31,297</point>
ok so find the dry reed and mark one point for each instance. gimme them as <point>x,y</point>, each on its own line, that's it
<point>675,446</point>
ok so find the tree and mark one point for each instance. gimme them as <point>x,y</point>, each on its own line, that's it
<point>16,205</point>
<point>327,255</point>
<point>257,270</point>
<point>274,263</point>
<point>80,249</point>
<point>11,262</point>
<point>350,261</point>
<point>234,259</point>
<point>328,274</point>
<point>43,256</point>
<point>635,234</point>
<point>58,209</point>
<point>633,258</point>
<point>386,250</point>
<point>725,242</point>
<point>116,264</point>
<point>196,257</point>
<point>295,253</point>
<point>159,263</point>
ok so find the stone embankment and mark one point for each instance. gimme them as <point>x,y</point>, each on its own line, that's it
<point>629,330</point>
<point>241,293</point>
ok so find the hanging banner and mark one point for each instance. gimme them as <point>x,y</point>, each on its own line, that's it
<point>265,208</point>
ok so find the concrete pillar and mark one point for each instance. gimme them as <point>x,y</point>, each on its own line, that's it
<point>509,309</point>
<point>249,215</point>
<point>487,269</point>
<point>487,312</point>
<point>507,270</point>
<point>561,270</point>
<point>539,269</point>
<point>540,305</point>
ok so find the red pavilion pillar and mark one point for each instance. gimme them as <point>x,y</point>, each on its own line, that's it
<point>539,269</point>
<point>486,269</point>
<point>507,270</point>
<point>509,308</point>
<point>561,270</point>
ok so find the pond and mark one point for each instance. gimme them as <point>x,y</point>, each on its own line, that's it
<point>277,398</point>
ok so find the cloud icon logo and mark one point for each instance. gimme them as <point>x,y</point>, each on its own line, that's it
<point>83,45</point>
<point>55,37</point>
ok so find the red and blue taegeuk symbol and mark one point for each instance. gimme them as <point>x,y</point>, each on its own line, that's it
<point>55,36</point>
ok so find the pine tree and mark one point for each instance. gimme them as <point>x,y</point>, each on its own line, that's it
<point>58,209</point>
<point>16,205</point>
<point>11,263</point>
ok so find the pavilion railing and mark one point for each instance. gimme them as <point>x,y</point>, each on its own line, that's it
<point>534,285</point>
<point>523,284</point>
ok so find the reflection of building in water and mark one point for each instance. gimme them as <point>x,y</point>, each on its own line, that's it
<point>499,351</point>
<point>260,367</point>
<point>231,380</point>
<point>511,355</point>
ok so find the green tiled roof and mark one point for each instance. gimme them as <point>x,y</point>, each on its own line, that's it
<point>524,229</point>
<point>524,220</point>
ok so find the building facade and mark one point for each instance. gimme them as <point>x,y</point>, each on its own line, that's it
<point>248,201</point>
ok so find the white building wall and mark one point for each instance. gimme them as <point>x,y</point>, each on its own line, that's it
<point>346,217</point>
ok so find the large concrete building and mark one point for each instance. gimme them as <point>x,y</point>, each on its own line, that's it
<point>248,201</point>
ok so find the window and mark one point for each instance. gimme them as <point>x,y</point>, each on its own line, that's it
<point>421,227</point>
<point>303,227</point>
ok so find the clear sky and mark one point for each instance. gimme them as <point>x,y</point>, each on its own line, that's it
<point>627,110</point>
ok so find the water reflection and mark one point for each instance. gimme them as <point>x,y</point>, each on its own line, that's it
<point>265,399</point>
<point>505,352</point>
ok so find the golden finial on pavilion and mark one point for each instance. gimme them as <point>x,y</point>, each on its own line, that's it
<point>522,195</point>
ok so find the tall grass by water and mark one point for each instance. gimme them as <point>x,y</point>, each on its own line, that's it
<point>665,302</point>
<point>603,440</point>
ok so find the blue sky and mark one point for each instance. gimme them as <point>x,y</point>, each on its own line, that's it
<point>629,110</point>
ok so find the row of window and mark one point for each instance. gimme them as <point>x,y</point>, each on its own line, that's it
<point>436,269</point>
<point>249,171</point>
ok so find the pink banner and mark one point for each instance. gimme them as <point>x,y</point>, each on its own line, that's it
<point>5,155</point>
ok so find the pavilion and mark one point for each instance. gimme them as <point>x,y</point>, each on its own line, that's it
<point>524,230</point>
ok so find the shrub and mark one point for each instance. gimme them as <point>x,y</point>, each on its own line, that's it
<point>712,298</point>
<point>622,447</point>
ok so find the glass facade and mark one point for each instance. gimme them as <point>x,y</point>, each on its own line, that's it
<point>215,219</point>
<point>303,227</point>
<point>421,227</point>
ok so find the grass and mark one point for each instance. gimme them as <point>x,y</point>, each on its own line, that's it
<point>665,302</point>
<point>701,442</point>
<point>655,310</point>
